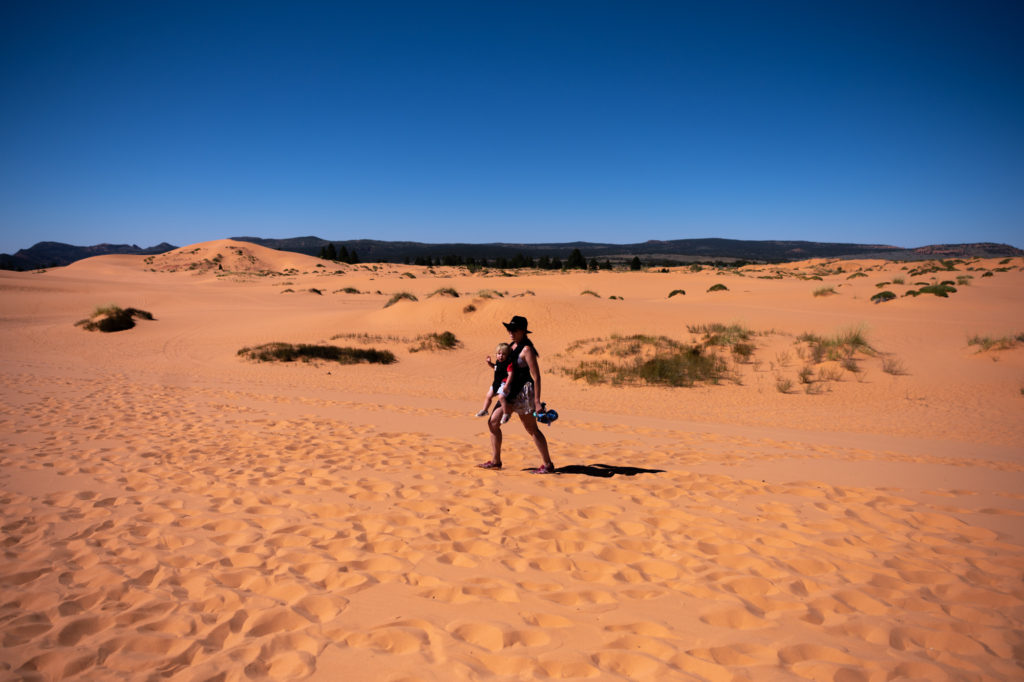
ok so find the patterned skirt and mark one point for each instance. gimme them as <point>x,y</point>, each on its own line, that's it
<point>523,402</point>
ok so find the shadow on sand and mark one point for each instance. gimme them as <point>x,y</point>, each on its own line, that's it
<point>605,470</point>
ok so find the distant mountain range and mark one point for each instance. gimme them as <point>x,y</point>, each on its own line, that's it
<point>54,254</point>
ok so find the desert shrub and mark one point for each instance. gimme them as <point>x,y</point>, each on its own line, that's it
<point>806,374</point>
<point>898,280</point>
<point>883,296</point>
<point>490,293</point>
<point>857,274</point>
<point>942,290</point>
<point>718,287</point>
<point>469,308</point>
<point>287,352</point>
<point>314,290</point>
<point>964,280</point>
<point>409,275</point>
<point>882,284</point>
<point>111,318</point>
<point>616,298</point>
<point>445,291</point>
<point>435,341</point>
<point>987,274</point>
<point>824,291</point>
<point>642,359</point>
<point>404,295</point>
<point>742,351</point>
<point>288,291</point>
<point>349,290</point>
<point>588,292</point>
<point>676,292</point>
<point>783,385</point>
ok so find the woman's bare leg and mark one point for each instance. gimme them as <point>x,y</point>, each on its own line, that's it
<point>494,425</point>
<point>530,424</point>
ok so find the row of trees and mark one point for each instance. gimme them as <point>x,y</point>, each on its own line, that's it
<point>341,255</point>
<point>576,261</point>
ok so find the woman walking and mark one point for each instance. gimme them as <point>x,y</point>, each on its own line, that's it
<point>523,397</point>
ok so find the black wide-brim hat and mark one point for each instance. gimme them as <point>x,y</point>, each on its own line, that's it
<point>517,322</point>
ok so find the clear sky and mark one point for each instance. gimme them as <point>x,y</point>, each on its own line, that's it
<point>516,121</point>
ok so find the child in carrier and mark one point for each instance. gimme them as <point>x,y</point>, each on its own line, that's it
<point>499,385</point>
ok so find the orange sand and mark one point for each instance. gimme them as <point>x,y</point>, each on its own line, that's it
<point>172,510</point>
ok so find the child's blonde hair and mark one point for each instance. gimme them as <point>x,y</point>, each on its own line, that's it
<point>503,348</point>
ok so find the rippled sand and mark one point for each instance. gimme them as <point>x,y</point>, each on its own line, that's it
<point>170,509</point>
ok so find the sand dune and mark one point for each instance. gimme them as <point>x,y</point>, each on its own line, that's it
<point>172,510</point>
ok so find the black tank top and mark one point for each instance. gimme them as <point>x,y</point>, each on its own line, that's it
<point>520,375</point>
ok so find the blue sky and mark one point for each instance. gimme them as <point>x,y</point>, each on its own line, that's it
<point>140,122</point>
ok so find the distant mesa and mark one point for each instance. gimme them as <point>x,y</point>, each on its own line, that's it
<point>660,252</point>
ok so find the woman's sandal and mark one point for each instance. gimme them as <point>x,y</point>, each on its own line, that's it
<point>543,470</point>
<point>488,465</point>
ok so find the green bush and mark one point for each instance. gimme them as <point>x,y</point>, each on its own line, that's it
<point>943,290</point>
<point>111,318</point>
<point>883,296</point>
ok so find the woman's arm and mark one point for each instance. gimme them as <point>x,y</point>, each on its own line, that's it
<point>531,363</point>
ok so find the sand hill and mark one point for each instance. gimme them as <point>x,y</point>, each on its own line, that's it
<point>813,511</point>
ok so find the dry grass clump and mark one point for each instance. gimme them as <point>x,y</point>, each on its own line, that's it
<point>845,344</point>
<point>825,291</point>
<point>445,291</point>
<point>987,343</point>
<point>287,352</point>
<point>435,341</point>
<point>490,293</point>
<point>111,318</point>
<point>676,292</point>
<point>642,359</point>
<point>718,287</point>
<point>894,366</point>
<point>588,292</point>
<point>735,337</point>
<point>348,290</point>
<point>403,295</point>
